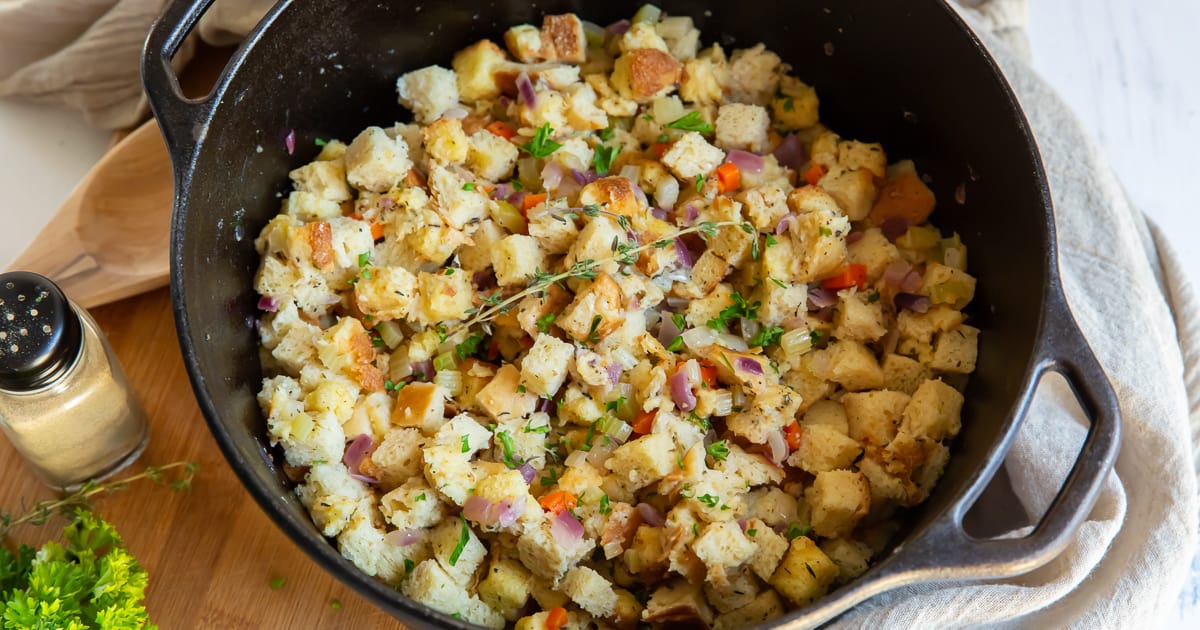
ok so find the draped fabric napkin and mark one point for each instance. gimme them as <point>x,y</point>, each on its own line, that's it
<point>1141,316</point>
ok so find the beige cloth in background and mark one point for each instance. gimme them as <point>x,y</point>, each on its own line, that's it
<point>1130,558</point>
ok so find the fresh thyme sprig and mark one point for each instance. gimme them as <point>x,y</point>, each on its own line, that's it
<point>623,253</point>
<point>40,512</point>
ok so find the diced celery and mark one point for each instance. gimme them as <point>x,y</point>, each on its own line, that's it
<point>594,33</point>
<point>919,237</point>
<point>952,292</point>
<point>795,342</point>
<point>674,27</point>
<point>389,332</point>
<point>451,380</point>
<point>444,361</point>
<point>648,13</point>
<point>509,217</point>
<point>667,109</point>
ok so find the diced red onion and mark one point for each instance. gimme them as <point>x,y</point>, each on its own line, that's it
<point>505,514</point>
<point>600,453</point>
<point>683,253</point>
<point>912,282</point>
<point>517,199</point>
<point>778,445</point>
<point>677,303</point>
<point>668,331</point>
<point>289,141</point>
<point>565,529</point>
<point>650,515</point>
<point>576,459</point>
<point>367,479</point>
<point>790,153</point>
<point>748,365</point>
<point>854,237</point>
<point>690,214</point>
<point>268,304</point>
<point>613,548</point>
<point>386,203</point>
<point>743,523</point>
<point>456,113</point>
<point>423,370</point>
<point>476,509</point>
<point>824,314</point>
<point>822,298</point>
<point>527,471</point>
<point>404,537</point>
<point>894,227</point>
<point>640,194</point>
<point>552,175</point>
<point>502,191</point>
<point>745,161</point>
<point>583,178</point>
<point>912,302</point>
<point>659,213</point>
<point>614,373</point>
<point>895,273</point>
<point>358,450</point>
<point>785,223</point>
<point>618,28</point>
<point>681,391</point>
<point>525,90</point>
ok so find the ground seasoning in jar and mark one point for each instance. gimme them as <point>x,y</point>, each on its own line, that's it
<point>64,402</point>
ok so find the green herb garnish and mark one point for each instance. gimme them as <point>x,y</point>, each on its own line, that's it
<point>605,134</point>
<point>692,121</point>
<point>466,443</point>
<point>605,508</point>
<point>278,582</point>
<point>718,450</point>
<point>506,442</point>
<point>469,186</point>
<point>795,530</point>
<point>541,146</point>
<point>544,322</point>
<point>739,309</point>
<point>594,331</point>
<point>469,346</point>
<point>604,158</point>
<point>463,538</point>
<point>766,336</point>
<point>699,183</point>
<point>709,500</point>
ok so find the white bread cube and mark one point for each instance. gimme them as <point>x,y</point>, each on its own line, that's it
<point>331,496</point>
<point>524,41</point>
<point>855,155</point>
<point>506,587</point>
<point>590,591</point>
<point>451,199</point>
<point>431,585</point>
<point>548,558</point>
<point>642,35</point>
<point>413,505</point>
<point>446,538</point>
<point>805,573</point>
<point>824,448</point>
<point>854,190</point>
<point>596,312</point>
<point>362,543</point>
<point>326,179</point>
<point>752,75</point>
<point>578,407</point>
<point>874,250</point>
<point>874,417</point>
<point>644,74</point>
<point>478,256</point>
<point>641,462</point>
<point>796,106</point>
<point>595,239</point>
<point>396,458</point>
<point>829,413</point>
<point>852,558</point>
<point>553,233</point>
<point>516,259</point>
<point>933,411</point>
<point>704,77</point>
<point>853,366</point>
<point>766,607</point>
<point>771,409</point>
<point>732,243</point>
<point>445,141</point>
<point>839,499</point>
<point>583,112</point>
<point>428,92</point>
<point>376,162</point>
<point>387,294</point>
<point>500,398</point>
<point>310,206</point>
<point>956,350</point>
<point>769,548</point>
<point>742,127</point>
<point>723,545</point>
<point>765,205</point>
<point>474,68</point>
<point>435,243</point>
<point>546,365</point>
<point>857,318</point>
<point>334,396</point>
<point>443,297</point>
<point>948,285</point>
<point>902,374</point>
<point>490,156</point>
<point>818,234</point>
<point>691,156</point>
<point>421,406</point>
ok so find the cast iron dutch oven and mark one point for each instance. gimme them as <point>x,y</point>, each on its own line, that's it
<point>907,74</point>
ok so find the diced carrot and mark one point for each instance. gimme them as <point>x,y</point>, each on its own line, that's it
<point>532,200</point>
<point>558,501</point>
<point>659,149</point>
<point>792,433</point>
<point>500,128</point>
<point>376,231</point>
<point>814,174</point>
<point>354,215</point>
<point>643,422</point>
<point>708,374</point>
<point>906,196</point>
<point>853,275</point>
<point>556,618</point>
<point>729,177</point>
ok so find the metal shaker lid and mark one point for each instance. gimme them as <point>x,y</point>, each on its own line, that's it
<point>40,334</point>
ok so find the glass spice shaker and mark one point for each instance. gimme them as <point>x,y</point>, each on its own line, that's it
<point>64,402</point>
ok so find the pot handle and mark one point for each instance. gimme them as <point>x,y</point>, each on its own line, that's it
<point>178,116</point>
<point>950,553</point>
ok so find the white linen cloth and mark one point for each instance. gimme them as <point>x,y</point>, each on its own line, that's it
<point>1125,567</point>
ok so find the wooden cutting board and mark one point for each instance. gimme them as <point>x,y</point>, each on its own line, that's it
<point>212,553</point>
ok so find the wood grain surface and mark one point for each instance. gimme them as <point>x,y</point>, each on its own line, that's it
<point>212,553</point>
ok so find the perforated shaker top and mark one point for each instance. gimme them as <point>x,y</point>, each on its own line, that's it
<point>40,334</point>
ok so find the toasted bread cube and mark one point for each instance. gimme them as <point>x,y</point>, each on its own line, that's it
<point>490,156</point>
<point>563,34</point>
<point>641,462</point>
<point>839,499</point>
<point>857,318</point>
<point>752,75</point>
<point>874,250</point>
<point>704,77</point>
<point>595,242</point>
<point>387,294</point>
<point>435,243</point>
<point>308,206</point>
<point>765,607</point>
<point>583,112</point>
<point>478,257</point>
<point>903,374</point>
<point>732,243</point>
<point>805,573</point>
<point>817,233</point>
<point>396,458</point>
<point>644,74</point>
<point>765,205</point>
<point>506,587</point>
<point>474,68</point>
<point>852,558</point>
<point>443,297</point>
<point>363,544</point>
<point>947,285</point>
<point>723,545</point>
<point>376,161</point>
<point>738,590</point>
<point>616,194</point>
<point>433,586</point>
<point>701,310</point>
<point>420,405</point>
<point>956,350</point>
<point>874,416</point>
<point>546,556</point>
<point>869,156</point>
<point>516,259</point>
<point>524,41</point>
<point>326,179</point>
<point>331,496</point>
<point>553,233</point>
<point>446,538</point>
<point>707,273</point>
<point>829,413</point>
<point>853,366</point>
<point>642,35</point>
<point>691,156</point>
<point>445,141</point>
<point>742,127</point>
<point>824,448</point>
<point>428,92</point>
<point>771,409</point>
<point>596,312</point>
<point>769,548</point>
<point>451,199</point>
<point>413,504</point>
<point>546,366</point>
<point>933,411</point>
<point>796,106</point>
<point>500,398</point>
<point>590,591</point>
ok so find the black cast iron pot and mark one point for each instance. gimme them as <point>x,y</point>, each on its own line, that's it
<point>907,74</point>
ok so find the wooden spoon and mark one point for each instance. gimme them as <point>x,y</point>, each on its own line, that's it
<point>111,238</point>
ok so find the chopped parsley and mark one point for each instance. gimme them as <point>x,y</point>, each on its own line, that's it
<point>469,346</point>
<point>463,538</point>
<point>409,565</point>
<point>604,158</point>
<point>739,309</point>
<point>709,500</point>
<point>364,259</point>
<point>520,389</point>
<point>529,428</point>
<point>664,138</point>
<point>699,183</point>
<point>420,497</point>
<point>676,344</point>
<point>766,336</point>
<point>718,450</point>
<point>544,322</point>
<point>469,186</point>
<point>751,532</point>
<point>319,142</point>
<point>680,320</point>
<point>466,443</point>
<point>591,435</point>
<point>815,336</point>
<point>779,283</point>
<point>517,186</point>
<point>551,478</point>
<point>695,529</point>
<point>613,405</point>
<point>278,582</point>
<point>606,133</point>
<point>771,241</point>
<point>692,121</point>
<point>594,331</point>
<point>826,231</point>
<point>873,298</point>
<point>789,105</point>
<point>605,508</point>
<point>335,604</point>
<point>795,530</point>
<point>541,146</point>
<point>506,442</point>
